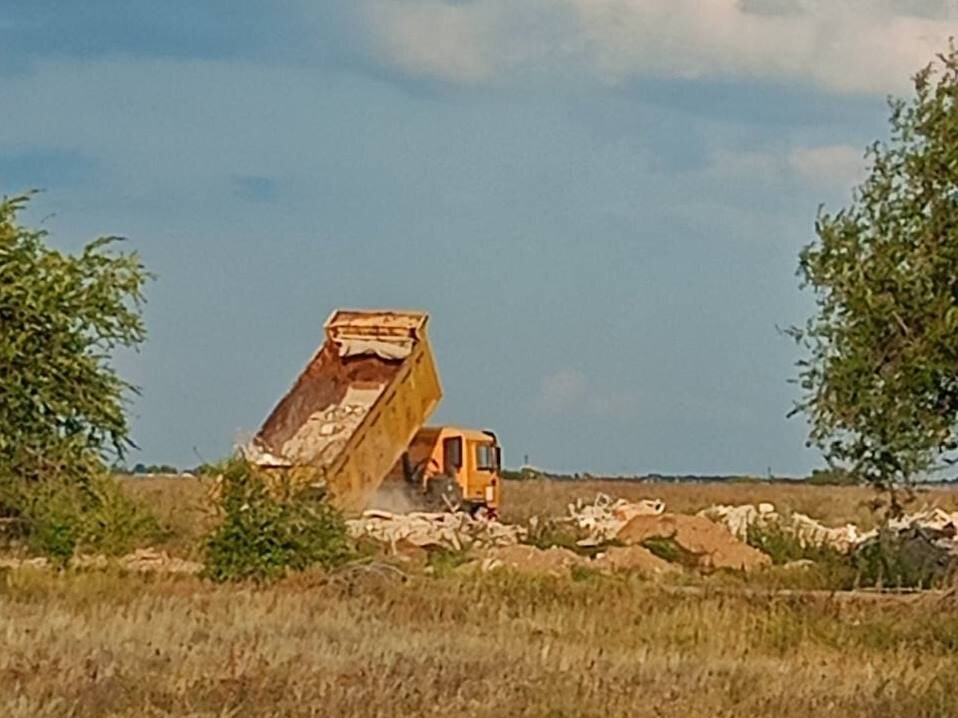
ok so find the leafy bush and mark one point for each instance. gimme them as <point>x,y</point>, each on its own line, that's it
<point>879,383</point>
<point>61,318</point>
<point>444,562</point>
<point>59,517</point>
<point>910,558</point>
<point>269,528</point>
<point>61,401</point>
<point>548,533</point>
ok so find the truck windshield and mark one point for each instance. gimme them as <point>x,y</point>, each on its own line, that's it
<point>485,457</point>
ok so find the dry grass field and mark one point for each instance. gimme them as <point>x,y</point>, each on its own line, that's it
<point>376,643</point>
<point>104,644</point>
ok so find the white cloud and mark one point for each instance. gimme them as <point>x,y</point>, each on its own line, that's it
<point>433,39</point>
<point>832,165</point>
<point>825,167</point>
<point>854,46</point>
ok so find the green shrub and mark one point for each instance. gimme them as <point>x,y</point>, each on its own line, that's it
<point>547,533</point>
<point>268,529</point>
<point>58,517</point>
<point>909,558</point>
<point>444,562</point>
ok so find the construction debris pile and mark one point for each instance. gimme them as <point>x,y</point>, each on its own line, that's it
<point>452,531</point>
<point>323,435</point>
<point>809,532</point>
<point>617,527</point>
<point>604,517</point>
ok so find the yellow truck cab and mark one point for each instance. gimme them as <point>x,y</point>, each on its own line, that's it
<point>454,467</point>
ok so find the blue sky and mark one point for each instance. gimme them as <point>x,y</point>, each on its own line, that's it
<point>600,202</point>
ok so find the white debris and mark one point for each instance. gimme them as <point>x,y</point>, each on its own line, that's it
<point>810,532</point>
<point>937,520</point>
<point>454,531</point>
<point>737,519</point>
<point>603,518</point>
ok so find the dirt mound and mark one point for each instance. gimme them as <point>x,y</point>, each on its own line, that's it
<point>712,543</point>
<point>554,561</point>
<point>632,558</point>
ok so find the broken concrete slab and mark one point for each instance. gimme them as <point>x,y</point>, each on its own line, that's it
<point>451,531</point>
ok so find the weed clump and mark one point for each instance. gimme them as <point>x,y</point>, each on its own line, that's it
<point>59,516</point>
<point>270,528</point>
<point>909,558</point>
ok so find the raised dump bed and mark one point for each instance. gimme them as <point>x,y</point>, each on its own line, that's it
<point>356,406</point>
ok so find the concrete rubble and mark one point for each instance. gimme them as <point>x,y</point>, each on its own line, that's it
<point>604,517</point>
<point>809,532</point>
<point>453,531</point>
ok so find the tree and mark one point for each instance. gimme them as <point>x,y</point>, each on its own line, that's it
<point>61,318</point>
<point>880,381</point>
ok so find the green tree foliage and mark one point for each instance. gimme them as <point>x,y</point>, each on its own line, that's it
<point>881,377</point>
<point>269,528</point>
<point>61,318</point>
<point>61,402</point>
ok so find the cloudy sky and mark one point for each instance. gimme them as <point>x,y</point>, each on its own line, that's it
<point>600,202</point>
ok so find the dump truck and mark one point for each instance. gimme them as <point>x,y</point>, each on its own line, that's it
<point>355,420</point>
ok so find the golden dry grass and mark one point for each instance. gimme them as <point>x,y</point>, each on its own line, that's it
<point>494,645</point>
<point>182,506</point>
<point>369,644</point>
